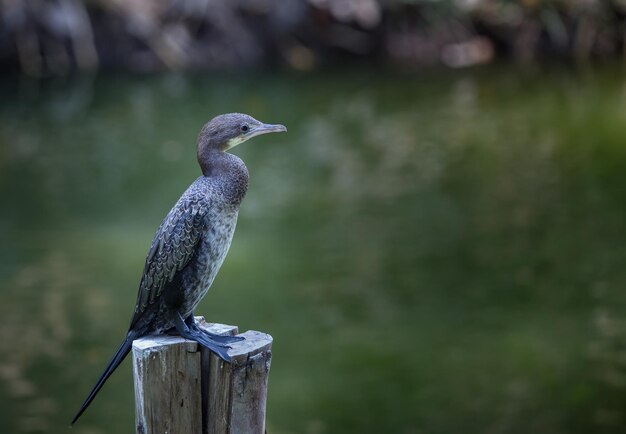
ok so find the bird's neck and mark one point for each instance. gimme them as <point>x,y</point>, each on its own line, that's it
<point>228,171</point>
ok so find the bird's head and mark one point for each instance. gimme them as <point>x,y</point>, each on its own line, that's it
<point>224,132</point>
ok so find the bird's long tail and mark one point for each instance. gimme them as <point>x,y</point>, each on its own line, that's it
<point>119,356</point>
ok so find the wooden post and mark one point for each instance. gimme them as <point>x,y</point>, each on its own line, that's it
<point>167,385</point>
<point>238,390</point>
<point>181,388</point>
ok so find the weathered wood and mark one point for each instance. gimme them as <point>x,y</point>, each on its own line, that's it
<point>220,329</point>
<point>167,385</point>
<point>181,387</point>
<point>238,390</point>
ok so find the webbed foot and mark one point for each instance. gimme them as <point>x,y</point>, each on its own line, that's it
<point>197,335</point>
<point>191,323</point>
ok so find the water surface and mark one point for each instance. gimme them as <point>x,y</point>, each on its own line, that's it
<point>433,252</point>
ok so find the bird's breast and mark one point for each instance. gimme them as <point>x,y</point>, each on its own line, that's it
<point>213,246</point>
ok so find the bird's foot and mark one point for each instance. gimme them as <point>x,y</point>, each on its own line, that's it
<point>171,332</point>
<point>191,323</point>
<point>197,335</point>
<point>216,347</point>
<point>221,338</point>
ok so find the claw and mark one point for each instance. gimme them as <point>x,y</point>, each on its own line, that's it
<point>191,323</point>
<point>223,339</point>
<point>205,339</point>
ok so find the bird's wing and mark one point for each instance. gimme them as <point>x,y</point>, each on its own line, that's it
<point>172,248</point>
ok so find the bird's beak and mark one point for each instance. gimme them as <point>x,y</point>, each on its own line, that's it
<point>265,129</point>
<point>256,131</point>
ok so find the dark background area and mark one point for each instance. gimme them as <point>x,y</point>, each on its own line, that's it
<point>42,38</point>
<point>437,245</point>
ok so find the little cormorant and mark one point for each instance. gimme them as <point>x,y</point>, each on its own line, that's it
<point>191,243</point>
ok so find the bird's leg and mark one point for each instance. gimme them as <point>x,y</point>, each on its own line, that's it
<point>171,332</point>
<point>198,336</point>
<point>190,322</point>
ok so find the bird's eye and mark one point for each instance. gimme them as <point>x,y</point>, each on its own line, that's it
<point>245,128</point>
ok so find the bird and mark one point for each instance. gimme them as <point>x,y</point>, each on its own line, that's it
<point>191,244</point>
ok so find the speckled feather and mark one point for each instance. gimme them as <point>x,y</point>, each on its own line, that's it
<point>174,244</point>
<point>189,248</point>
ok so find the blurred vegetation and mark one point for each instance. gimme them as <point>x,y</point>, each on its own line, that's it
<point>433,253</point>
<point>55,37</point>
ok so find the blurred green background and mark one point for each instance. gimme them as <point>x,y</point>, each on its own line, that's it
<point>434,250</point>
